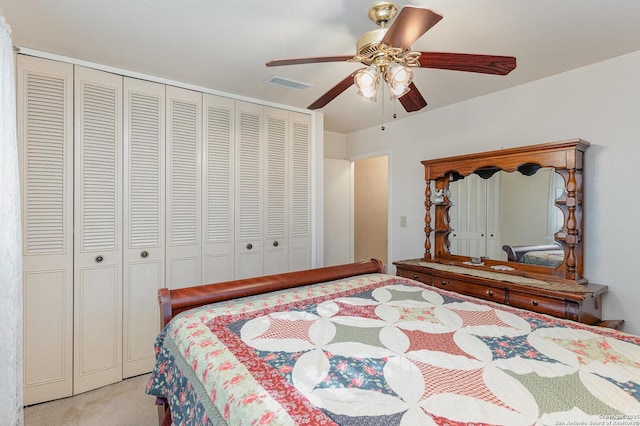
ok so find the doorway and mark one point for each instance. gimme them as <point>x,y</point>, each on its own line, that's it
<point>371,194</point>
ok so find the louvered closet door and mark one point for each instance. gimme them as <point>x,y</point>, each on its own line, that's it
<point>218,259</point>
<point>276,244</point>
<point>300,191</point>
<point>143,221</point>
<point>184,162</point>
<point>98,229</point>
<point>249,194</point>
<point>45,141</point>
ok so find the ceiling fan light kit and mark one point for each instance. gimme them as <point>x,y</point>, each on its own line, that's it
<point>387,55</point>
<point>367,80</point>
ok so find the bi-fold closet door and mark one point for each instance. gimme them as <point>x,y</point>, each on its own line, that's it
<point>143,221</point>
<point>273,210</point>
<point>238,189</point>
<point>97,285</point>
<point>45,135</point>
<point>129,186</point>
<point>119,225</point>
<point>90,307</point>
<point>475,216</point>
<point>200,207</point>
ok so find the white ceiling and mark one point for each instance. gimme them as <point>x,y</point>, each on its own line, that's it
<point>224,45</point>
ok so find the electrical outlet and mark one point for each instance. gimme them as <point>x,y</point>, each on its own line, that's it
<point>403,221</point>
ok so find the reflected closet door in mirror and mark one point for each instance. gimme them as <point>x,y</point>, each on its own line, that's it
<point>507,209</point>
<point>515,209</point>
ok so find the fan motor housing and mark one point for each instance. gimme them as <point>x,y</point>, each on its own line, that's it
<point>368,43</point>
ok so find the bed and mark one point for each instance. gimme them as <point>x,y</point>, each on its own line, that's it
<point>350,345</point>
<point>550,255</point>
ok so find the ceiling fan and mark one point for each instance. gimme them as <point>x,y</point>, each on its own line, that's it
<point>387,55</point>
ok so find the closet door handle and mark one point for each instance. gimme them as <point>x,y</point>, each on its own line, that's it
<point>99,259</point>
<point>276,243</point>
<point>144,254</point>
<point>249,246</point>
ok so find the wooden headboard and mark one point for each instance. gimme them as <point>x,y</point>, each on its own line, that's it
<point>173,302</point>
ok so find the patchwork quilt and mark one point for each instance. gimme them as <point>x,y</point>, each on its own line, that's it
<point>384,350</point>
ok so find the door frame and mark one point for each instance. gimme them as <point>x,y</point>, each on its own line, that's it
<point>382,153</point>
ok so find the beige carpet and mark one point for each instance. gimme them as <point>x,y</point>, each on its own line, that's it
<point>121,404</point>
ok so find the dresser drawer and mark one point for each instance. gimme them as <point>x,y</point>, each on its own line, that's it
<point>476,290</point>
<point>418,276</point>
<point>544,305</point>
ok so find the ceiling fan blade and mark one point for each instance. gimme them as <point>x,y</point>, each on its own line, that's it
<point>412,100</point>
<point>312,60</point>
<point>487,64</point>
<point>333,92</point>
<point>409,26</point>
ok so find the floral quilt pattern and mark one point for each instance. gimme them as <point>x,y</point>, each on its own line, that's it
<point>385,350</point>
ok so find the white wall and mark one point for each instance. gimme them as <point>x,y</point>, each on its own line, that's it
<point>338,215</point>
<point>598,103</point>
<point>335,145</point>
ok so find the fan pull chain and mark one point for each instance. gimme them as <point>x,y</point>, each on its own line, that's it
<point>382,102</point>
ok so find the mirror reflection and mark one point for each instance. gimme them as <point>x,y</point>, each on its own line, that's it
<point>507,216</point>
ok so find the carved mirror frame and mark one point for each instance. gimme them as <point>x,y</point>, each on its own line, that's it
<point>566,157</point>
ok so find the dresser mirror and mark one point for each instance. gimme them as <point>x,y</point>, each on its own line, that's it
<point>486,216</point>
<point>516,210</point>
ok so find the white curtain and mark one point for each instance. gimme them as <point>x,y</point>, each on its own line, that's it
<point>11,412</point>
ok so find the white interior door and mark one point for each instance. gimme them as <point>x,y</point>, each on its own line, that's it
<point>45,135</point>
<point>144,221</point>
<point>184,177</point>
<point>218,259</point>
<point>249,191</point>
<point>468,216</point>
<point>98,229</point>
<point>494,218</point>
<point>276,244</point>
<point>299,159</point>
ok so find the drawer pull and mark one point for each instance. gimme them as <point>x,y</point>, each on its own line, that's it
<point>534,302</point>
<point>415,277</point>
<point>443,283</point>
<point>490,293</point>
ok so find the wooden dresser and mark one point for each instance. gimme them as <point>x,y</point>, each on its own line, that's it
<point>578,302</point>
<point>478,268</point>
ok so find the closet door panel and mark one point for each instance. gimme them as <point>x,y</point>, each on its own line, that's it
<point>494,218</point>
<point>249,192</point>
<point>218,254</point>
<point>98,229</point>
<point>300,191</point>
<point>468,216</point>
<point>45,149</point>
<point>144,221</point>
<point>276,244</point>
<point>184,176</point>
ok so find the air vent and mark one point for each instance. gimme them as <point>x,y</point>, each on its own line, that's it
<point>288,83</point>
